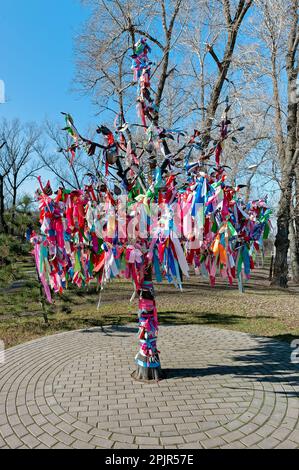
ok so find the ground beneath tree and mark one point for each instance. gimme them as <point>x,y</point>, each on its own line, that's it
<point>223,389</point>
<point>260,310</point>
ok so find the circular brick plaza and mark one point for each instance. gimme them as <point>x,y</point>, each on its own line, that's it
<point>223,389</point>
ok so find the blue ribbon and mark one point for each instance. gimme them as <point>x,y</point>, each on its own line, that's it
<point>157,267</point>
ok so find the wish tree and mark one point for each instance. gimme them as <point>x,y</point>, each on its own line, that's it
<point>159,204</point>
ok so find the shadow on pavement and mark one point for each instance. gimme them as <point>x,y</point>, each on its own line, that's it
<point>269,361</point>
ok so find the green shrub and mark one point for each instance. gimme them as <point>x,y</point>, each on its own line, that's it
<point>12,249</point>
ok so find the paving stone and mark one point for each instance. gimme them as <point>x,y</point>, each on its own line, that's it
<point>232,436</point>
<point>172,440</point>
<point>81,435</point>
<point>64,438</point>
<point>59,445</point>
<point>20,430</point>
<point>40,420</point>
<point>294,436</point>
<point>151,422</point>
<point>63,426</point>
<point>268,443</point>
<point>30,441</point>
<point>120,445</point>
<point>122,438</point>
<point>13,442</point>
<point>47,439</point>
<point>249,428</point>
<point>216,432</point>
<point>233,445</point>
<point>287,445</point>
<point>82,445</point>
<point>212,443</point>
<point>87,398</point>
<point>165,428</point>
<point>53,419</point>
<point>50,429</point>
<point>281,433</point>
<point>150,441</point>
<point>142,430</point>
<point>265,430</point>
<point>187,428</point>
<point>101,442</point>
<point>175,420</point>
<point>6,430</point>
<point>82,426</point>
<point>195,437</point>
<point>35,430</point>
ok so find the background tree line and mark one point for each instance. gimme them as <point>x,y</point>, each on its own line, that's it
<point>203,52</point>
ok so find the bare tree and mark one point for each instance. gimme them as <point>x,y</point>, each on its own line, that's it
<point>57,158</point>
<point>270,66</point>
<point>286,128</point>
<point>4,172</point>
<point>198,65</point>
<point>18,160</point>
<point>294,229</point>
<point>111,32</point>
<point>233,21</point>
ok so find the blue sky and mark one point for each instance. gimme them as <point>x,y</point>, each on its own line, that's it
<point>38,63</point>
<point>37,59</point>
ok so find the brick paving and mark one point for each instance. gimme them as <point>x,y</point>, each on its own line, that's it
<point>224,389</point>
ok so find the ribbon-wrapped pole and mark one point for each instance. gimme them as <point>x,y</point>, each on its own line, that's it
<point>147,359</point>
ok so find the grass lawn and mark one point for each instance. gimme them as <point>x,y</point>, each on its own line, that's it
<point>260,310</point>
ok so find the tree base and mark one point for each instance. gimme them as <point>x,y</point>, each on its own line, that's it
<point>281,281</point>
<point>148,374</point>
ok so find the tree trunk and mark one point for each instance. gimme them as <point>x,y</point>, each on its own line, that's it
<point>224,66</point>
<point>147,359</point>
<point>14,205</point>
<point>3,225</point>
<point>290,158</point>
<point>293,251</point>
<point>282,243</point>
<point>295,228</point>
<point>271,268</point>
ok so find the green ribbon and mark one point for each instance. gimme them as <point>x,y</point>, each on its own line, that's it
<point>232,229</point>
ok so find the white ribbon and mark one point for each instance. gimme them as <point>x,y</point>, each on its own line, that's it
<point>180,254</point>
